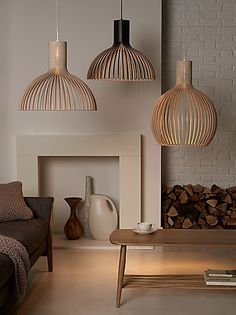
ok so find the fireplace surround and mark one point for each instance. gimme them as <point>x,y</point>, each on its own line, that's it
<point>125,146</point>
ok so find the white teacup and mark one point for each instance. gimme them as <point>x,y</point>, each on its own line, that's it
<point>144,226</point>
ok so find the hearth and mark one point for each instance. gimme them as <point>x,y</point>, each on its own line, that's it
<point>198,207</point>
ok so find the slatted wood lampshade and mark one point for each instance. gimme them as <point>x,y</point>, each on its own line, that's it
<point>57,89</point>
<point>121,62</point>
<point>184,115</point>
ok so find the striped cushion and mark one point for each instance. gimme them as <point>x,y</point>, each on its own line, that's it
<point>12,204</point>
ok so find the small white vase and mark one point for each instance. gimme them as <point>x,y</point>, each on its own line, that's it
<point>103,217</point>
<point>84,207</point>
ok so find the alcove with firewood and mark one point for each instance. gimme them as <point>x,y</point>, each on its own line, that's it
<point>198,207</point>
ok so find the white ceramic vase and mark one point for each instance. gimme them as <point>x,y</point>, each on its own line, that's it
<point>103,217</point>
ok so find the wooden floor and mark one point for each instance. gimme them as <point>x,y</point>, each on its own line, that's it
<point>84,283</point>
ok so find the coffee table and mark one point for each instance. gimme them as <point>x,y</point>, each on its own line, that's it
<point>168,237</point>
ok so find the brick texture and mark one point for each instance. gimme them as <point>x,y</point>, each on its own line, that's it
<point>205,32</point>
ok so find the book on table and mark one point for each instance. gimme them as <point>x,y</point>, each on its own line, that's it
<point>219,279</point>
<point>221,273</point>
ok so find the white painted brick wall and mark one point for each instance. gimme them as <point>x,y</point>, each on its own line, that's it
<point>205,30</point>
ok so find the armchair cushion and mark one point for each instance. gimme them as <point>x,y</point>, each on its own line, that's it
<point>20,230</point>
<point>6,270</point>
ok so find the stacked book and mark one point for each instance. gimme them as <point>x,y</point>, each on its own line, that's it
<point>220,277</point>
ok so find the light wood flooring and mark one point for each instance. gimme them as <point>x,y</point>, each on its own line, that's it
<point>84,283</point>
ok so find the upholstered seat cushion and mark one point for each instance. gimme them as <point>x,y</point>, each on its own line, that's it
<point>31,233</point>
<point>6,269</point>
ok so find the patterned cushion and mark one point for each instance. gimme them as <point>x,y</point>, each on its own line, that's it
<point>12,204</point>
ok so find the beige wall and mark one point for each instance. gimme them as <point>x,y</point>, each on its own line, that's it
<point>26,28</point>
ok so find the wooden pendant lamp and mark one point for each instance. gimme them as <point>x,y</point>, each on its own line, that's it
<point>184,115</point>
<point>121,62</point>
<point>57,89</point>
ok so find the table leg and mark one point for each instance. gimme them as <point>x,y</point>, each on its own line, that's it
<point>120,274</point>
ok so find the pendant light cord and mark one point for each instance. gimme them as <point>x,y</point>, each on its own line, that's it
<point>57,19</point>
<point>184,38</point>
<point>121,9</point>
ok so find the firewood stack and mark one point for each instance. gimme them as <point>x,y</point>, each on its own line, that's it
<point>198,207</point>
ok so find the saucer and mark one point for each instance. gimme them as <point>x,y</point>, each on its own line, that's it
<point>153,229</point>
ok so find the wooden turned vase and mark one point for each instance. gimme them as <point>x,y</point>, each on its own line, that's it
<point>73,228</point>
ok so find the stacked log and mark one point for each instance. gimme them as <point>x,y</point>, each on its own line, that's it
<point>198,207</point>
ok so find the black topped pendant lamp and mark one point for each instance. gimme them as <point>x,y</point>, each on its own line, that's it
<point>121,62</point>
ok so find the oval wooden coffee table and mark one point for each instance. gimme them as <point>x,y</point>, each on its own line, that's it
<point>162,237</point>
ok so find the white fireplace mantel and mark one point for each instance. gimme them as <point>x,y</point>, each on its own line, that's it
<point>127,147</point>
